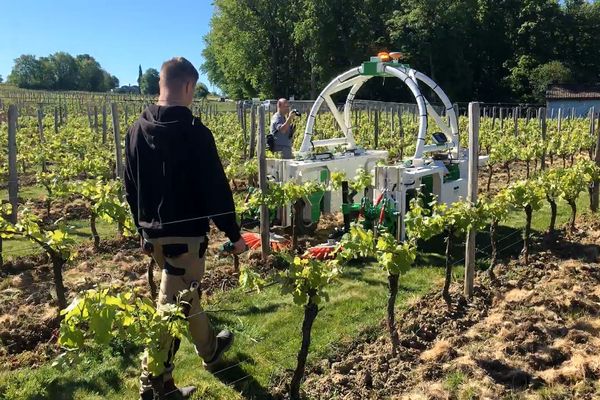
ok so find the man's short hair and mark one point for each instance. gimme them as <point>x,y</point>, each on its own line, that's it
<point>178,70</point>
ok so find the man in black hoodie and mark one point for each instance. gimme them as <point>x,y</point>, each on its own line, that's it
<point>175,184</point>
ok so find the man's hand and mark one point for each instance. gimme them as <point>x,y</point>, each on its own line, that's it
<point>146,247</point>
<point>239,247</point>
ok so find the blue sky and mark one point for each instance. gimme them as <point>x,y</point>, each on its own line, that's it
<point>119,34</point>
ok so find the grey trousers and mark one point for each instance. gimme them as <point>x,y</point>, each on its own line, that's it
<point>182,262</point>
<point>286,152</point>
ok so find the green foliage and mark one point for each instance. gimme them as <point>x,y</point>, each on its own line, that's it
<point>149,81</point>
<point>461,216</point>
<point>550,181</point>
<point>357,243</point>
<point>54,240</point>
<point>105,201</point>
<point>421,223</point>
<point>362,180</point>
<point>201,90</point>
<point>495,208</point>
<point>279,194</point>
<point>251,279</point>
<point>526,193</point>
<point>97,317</point>
<point>307,279</point>
<point>396,258</point>
<point>546,74</point>
<point>515,47</point>
<point>61,71</point>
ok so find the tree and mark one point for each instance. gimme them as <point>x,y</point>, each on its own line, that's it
<point>65,71</point>
<point>546,74</point>
<point>1,79</point>
<point>139,80</point>
<point>201,91</point>
<point>432,34</point>
<point>114,81</point>
<point>149,81</point>
<point>61,71</point>
<point>29,72</point>
<point>91,77</point>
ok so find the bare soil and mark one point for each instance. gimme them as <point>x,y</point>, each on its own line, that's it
<point>28,314</point>
<point>533,334</point>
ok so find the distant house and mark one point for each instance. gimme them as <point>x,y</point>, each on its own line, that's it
<point>573,99</point>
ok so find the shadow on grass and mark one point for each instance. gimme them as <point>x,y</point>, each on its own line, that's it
<point>67,388</point>
<point>254,310</point>
<point>508,243</point>
<point>232,373</point>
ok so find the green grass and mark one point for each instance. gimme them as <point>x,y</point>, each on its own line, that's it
<point>267,327</point>
<point>33,192</point>
<point>19,247</point>
<point>81,232</point>
<point>454,381</point>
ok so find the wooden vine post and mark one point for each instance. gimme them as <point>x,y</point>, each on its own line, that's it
<point>262,184</point>
<point>595,193</point>
<point>40,117</point>
<point>473,166</point>
<point>104,128</point>
<point>544,126</point>
<point>117,135</point>
<point>252,130</point>
<point>13,178</point>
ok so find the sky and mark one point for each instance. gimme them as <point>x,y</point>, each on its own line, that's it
<point>119,34</point>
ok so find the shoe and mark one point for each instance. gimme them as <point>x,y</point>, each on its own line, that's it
<point>224,342</point>
<point>168,391</point>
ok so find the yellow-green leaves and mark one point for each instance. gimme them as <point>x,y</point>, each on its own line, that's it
<point>95,317</point>
<point>308,278</point>
<point>396,258</point>
<point>251,279</point>
<point>526,193</point>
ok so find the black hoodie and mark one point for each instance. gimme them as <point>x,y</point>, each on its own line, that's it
<point>174,178</point>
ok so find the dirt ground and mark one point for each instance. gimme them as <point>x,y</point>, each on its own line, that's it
<point>534,334</point>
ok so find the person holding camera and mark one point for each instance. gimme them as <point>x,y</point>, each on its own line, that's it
<point>283,129</point>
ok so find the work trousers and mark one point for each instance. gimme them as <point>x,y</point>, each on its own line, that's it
<point>182,262</point>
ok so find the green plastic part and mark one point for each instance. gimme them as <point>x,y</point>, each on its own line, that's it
<point>453,173</point>
<point>369,68</point>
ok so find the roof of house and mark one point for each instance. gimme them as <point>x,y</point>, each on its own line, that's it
<point>574,91</point>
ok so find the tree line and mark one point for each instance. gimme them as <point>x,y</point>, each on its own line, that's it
<point>61,71</point>
<point>489,50</point>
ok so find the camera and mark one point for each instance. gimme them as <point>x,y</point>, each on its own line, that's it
<point>296,112</point>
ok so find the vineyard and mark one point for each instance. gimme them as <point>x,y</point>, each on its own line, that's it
<point>377,319</point>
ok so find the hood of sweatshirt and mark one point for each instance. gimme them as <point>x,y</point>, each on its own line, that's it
<point>158,123</point>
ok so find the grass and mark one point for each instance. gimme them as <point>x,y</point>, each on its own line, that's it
<point>18,247</point>
<point>454,381</point>
<point>267,327</point>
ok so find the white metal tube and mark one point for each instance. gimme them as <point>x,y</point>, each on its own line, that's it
<point>310,122</point>
<point>402,74</point>
<point>450,112</point>
<point>349,102</point>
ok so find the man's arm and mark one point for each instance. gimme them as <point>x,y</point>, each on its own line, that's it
<point>217,196</point>
<point>283,126</point>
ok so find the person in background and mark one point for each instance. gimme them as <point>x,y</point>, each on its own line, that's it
<point>175,183</point>
<point>283,129</point>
